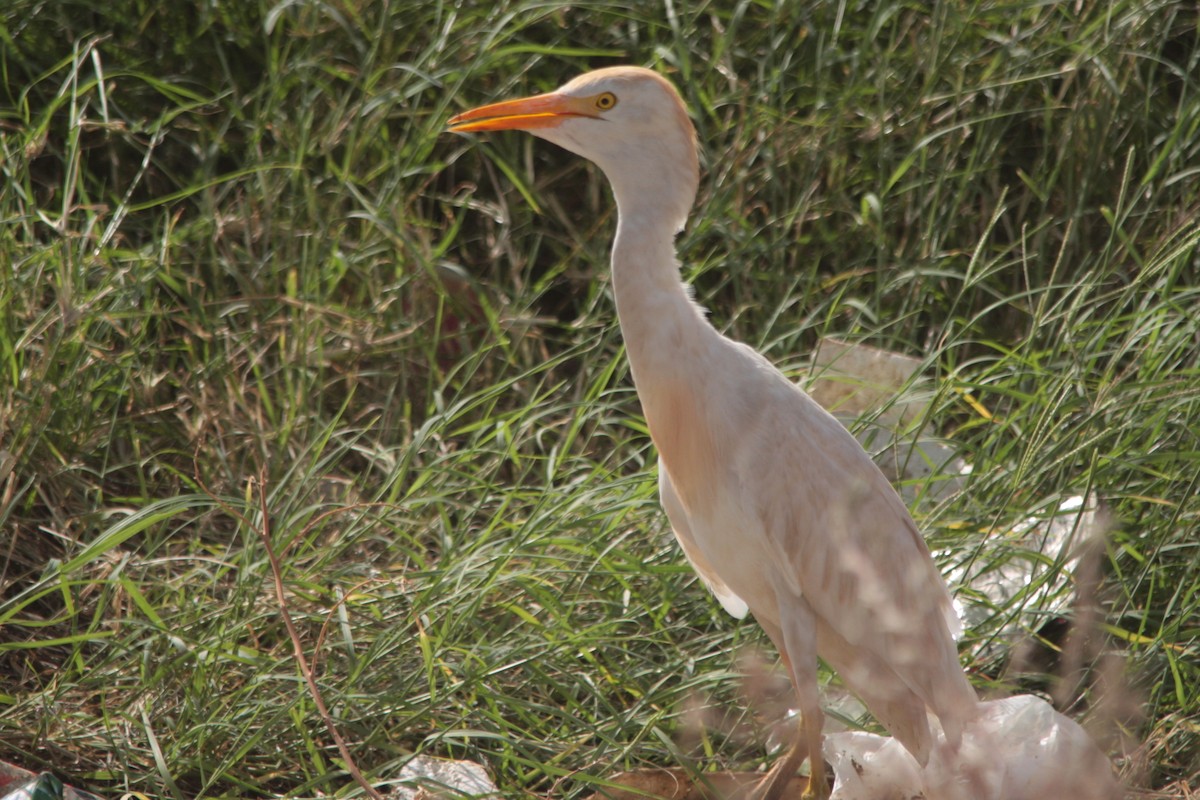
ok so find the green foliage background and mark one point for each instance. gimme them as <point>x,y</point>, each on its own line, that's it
<point>248,284</point>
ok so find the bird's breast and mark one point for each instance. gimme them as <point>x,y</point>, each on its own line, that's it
<point>697,444</point>
<point>686,443</point>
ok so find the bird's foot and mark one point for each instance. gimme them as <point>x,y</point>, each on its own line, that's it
<point>818,785</point>
<point>815,791</point>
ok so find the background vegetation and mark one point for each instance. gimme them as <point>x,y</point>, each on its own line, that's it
<point>248,287</point>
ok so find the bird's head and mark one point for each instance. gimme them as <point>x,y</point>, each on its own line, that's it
<point>629,121</point>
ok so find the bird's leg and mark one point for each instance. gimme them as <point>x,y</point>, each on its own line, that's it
<point>808,737</point>
<point>810,740</point>
<point>798,630</point>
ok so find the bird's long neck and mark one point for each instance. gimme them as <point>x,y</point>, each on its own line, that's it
<point>672,351</point>
<point>657,315</point>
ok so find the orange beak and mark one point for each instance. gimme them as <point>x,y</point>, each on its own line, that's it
<point>540,111</point>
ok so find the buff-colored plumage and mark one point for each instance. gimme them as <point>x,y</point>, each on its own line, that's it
<point>775,504</point>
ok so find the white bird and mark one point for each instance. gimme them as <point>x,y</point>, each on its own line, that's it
<point>777,507</point>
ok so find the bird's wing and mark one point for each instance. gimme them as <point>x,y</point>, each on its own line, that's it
<point>683,534</point>
<point>846,542</point>
<point>832,519</point>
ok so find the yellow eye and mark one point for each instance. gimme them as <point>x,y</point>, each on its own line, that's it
<point>606,101</point>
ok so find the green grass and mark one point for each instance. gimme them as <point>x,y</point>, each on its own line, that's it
<point>250,287</point>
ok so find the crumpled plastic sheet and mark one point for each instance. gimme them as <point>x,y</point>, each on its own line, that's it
<point>1041,553</point>
<point>46,786</point>
<point>17,783</point>
<point>864,388</point>
<point>425,776</point>
<point>1019,748</point>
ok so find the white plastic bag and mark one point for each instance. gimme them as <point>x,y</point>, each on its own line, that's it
<point>1018,748</point>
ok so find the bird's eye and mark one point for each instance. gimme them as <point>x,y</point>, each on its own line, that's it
<point>606,101</point>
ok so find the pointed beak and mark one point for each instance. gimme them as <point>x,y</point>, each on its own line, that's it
<point>540,111</point>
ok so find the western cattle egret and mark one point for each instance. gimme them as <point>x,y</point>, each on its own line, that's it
<point>777,507</point>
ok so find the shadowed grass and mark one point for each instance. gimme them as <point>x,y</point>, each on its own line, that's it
<point>248,271</point>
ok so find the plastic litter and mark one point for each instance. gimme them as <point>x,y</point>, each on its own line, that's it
<point>1019,748</point>
<point>42,787</point>
<point>21,784</point>
<point>425,776</point>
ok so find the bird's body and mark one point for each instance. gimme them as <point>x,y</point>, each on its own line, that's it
<point>775,504</point>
